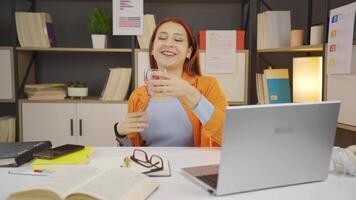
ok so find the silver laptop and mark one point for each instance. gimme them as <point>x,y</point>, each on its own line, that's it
<point>267,146</point>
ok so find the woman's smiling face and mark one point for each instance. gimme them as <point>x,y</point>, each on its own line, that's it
<point>170,47</point>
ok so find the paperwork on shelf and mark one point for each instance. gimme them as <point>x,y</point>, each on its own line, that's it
<point>220,52</point>
<point>341,28</point>
<point>127,17</point>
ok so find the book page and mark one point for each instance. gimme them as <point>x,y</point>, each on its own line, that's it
<point>117,183</point>
<point>60,182</point>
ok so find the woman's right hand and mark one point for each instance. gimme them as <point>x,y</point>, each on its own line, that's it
<point>133,122</point>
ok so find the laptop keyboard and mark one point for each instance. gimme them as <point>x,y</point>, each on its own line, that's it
<point>211,180</point>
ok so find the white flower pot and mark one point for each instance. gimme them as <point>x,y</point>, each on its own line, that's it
<point>77,92</point>
<point>99,41</point>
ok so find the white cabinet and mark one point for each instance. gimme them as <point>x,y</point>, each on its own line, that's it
<point>77,123</point>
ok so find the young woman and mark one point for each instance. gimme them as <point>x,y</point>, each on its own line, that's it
<point>186,108</point>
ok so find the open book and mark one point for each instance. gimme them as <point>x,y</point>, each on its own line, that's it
<point>90,183</point>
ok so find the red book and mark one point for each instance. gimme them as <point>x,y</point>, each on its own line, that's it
<point>202,39</point>
<point>240,40</point>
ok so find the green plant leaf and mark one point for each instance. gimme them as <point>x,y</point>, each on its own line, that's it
<point>99,21</point>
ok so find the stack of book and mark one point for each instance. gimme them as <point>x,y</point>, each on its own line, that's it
<point>273,29</point>
<point>117,84</point>
<point>149,24</point>
<point>35,29</point>
<point>7,129</point>
<point>273,86</point>
<point>45,91</point>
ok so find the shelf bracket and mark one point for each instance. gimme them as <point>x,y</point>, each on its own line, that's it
<point>310,15</point>
<point>33,6</point>
<point>245,22</point>
<point>266,5</point>
<point>265,60</point>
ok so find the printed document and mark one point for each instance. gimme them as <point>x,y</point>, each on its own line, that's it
<point>341,28</point>
<point>220,52</point>
<point>127,17</point>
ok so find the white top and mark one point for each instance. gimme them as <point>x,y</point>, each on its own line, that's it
<point>178,186</point>
<point>169,124</point>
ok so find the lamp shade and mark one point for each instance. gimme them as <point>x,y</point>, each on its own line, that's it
<point>307,79</point>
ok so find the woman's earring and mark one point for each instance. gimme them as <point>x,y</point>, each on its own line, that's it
<point>189,53</point>
<point>188,56</point>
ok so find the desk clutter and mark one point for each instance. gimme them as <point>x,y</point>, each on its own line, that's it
<point>153,165</point>
<point>344,160</point>
<point>14,154</point>
<point>76,176</point>
<point>90,183</point>
<point>103,174</point>
<point>80,157</point>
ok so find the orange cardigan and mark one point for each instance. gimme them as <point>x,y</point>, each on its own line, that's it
<point>208,87</point>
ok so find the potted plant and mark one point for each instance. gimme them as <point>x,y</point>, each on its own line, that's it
<point>77,89</point>
<point>99,25</point>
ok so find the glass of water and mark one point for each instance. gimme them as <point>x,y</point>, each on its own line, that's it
<point>149,75</point>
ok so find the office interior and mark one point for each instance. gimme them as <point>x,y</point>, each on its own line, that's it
<point>78,62</point>
<point>70,19</point>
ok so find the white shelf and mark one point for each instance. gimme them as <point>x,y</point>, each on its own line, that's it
<point>305,48</point>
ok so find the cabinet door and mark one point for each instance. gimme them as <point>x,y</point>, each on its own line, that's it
<point>49,121</point>
<point>6,75</point>
<point>97,123</point>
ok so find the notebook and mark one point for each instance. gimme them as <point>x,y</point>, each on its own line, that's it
<point>80,157</point>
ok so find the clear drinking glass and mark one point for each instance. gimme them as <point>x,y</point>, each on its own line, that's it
<point>148,75</point>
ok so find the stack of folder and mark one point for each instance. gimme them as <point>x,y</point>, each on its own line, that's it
<point>81,157</point>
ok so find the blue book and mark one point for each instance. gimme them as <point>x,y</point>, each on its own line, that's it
<point>50,30</point>
<point>278,85</point>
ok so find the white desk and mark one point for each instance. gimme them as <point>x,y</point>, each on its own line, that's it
<point>180,187</point>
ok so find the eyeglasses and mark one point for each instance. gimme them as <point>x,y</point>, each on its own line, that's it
<point>154,163</point>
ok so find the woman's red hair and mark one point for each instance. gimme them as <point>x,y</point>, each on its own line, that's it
<point>192,65</point>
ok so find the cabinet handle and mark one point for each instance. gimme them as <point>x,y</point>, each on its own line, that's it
<point>71,127</point>
<point>80,127</point>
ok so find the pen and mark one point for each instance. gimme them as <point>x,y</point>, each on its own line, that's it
<point>29,172</point>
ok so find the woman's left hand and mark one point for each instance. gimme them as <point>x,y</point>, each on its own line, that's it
<point>169,85</point>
